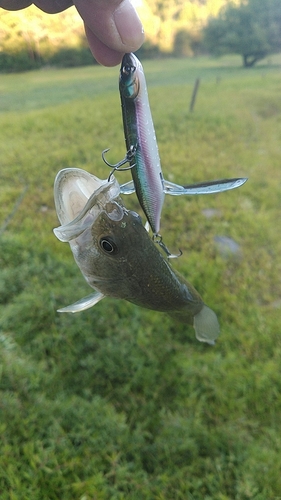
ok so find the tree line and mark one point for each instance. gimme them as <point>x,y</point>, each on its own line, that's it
<point>251,28</point>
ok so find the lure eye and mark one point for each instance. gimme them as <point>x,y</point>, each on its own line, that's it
<point>128,70</point>
<point>108,245</point>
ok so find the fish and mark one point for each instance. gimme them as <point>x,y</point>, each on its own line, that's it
<point>117,256</point>
<point>142,150</point>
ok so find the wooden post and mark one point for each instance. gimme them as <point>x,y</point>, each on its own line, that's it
<point>194,94</point>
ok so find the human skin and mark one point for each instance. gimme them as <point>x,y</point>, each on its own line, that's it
<point>112,27</point>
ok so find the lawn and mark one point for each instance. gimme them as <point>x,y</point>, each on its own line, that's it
<point>119,402</point>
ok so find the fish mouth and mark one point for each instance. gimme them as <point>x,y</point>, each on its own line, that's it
<point>79,199</point>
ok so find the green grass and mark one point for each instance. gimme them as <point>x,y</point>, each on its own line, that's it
<point>118,402</point>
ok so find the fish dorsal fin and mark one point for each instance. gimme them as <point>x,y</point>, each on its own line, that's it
<point>83,304</point>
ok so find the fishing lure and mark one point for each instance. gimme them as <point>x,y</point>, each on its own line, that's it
<point>142,150</point>
<point>118,258</point>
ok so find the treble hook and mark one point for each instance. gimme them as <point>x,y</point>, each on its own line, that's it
<point>157,238</point>
<point>128,158</point>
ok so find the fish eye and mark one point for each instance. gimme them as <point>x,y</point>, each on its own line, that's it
<point>108,245</point>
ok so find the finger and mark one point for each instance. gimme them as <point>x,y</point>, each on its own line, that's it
<point>53,6</point>
<point>49,6</point>
<point>114,22</point>
<point>14,4</point>
<point>103,54</point>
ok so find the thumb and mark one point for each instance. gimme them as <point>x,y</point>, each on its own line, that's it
<point>114,22</point>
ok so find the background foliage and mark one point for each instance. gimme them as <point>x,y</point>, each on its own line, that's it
<point>31,39</point>
<point>119,402</point>
<point>252,29</point>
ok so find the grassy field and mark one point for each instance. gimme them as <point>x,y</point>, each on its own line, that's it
<point>119,402</point>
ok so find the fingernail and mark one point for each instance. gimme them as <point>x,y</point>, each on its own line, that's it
<point>129,26</point>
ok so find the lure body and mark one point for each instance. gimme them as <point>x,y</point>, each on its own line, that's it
<point>139,132</point>
<point>148,181</point>
<point>117,256</point>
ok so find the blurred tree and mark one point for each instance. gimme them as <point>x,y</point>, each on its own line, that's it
<point>30,38</point>
<point>182,44</point>
<point>251,29</point>
<point>169,23</point>
<point>38,34</point>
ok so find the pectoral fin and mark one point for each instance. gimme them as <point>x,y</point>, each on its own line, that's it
<point>83,304</point>
<point>206,325</point>
<point>207,187</point>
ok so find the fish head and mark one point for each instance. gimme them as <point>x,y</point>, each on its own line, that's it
<point>102,233</point>
<point>129,81</point>
<point>117,235</point>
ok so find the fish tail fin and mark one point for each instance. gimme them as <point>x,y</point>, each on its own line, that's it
<point>206,325</point>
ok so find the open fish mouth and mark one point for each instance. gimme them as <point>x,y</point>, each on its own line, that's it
<point>79,199</point>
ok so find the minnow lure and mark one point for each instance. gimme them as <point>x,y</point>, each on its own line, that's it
<point>142,150</point>
<point>118,258</point>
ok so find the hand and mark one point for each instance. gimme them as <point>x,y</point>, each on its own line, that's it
<point>112,27</point>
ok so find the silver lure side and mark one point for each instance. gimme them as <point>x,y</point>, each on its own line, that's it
<point>117,256</point>
<point>148,181</point>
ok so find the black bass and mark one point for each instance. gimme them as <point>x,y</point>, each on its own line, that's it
<point>116,255</point>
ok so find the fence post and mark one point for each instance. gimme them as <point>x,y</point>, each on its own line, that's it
<point>194,94</point>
